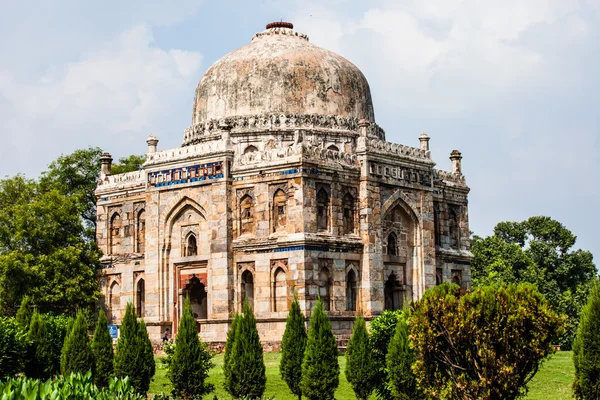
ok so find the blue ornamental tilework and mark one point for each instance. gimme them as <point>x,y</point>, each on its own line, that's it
<point>309,248</point>
<point>194,173</point>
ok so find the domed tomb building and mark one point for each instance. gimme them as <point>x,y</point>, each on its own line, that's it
<point>284,185</point>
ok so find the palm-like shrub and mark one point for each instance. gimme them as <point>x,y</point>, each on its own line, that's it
<point>76,353</point>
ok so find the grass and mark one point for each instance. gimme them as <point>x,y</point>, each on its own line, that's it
<point>553,381</point>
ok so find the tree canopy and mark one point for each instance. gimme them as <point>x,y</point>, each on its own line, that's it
<point>539,251</point>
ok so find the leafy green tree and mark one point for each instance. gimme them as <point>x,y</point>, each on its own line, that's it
<point>499,333</point>
<point>128,164</point>
<point>189,365</point>
<point>39,363</point>
<point>383,328</point>
<point>361,369</point>
<point>76,354</point>
<point>14,344</point>
<point>400,358</point>
<point>227,363</point>
<point>320,368</point>
<point>246,362</point>
<point>134,357</point>
<point>293,344</point>
<point>586,349</point>
<point>102,350</point>
<point>539,251</point>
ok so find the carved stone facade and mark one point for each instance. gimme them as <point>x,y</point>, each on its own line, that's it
<point>265,205</point>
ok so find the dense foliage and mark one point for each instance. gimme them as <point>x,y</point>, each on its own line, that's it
<point>586,349</point>
<point>75,386</point>
<point>247,370</point>
<point>293,344</point>
<point>102,350</point>
<point>134,357</point>
<point>400,357</point>
<point>361,369</point>
<point>14,344</point>
<point>191,360</point>
<point>539,251</point>
<point>40,364</point>
<point>57,326</point>
<point>76,353</point>
<point>382,329</point>
<point>128,164</point>
<point>320,368</point>
<point>485,344</point>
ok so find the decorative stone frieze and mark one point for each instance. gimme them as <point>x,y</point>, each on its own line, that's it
<point>122,181</point>
<point>394,149</point>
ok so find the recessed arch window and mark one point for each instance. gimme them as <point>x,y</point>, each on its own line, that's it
<point>392,244</point>
<point>325,288</point>
<point>250,149</point>
<point>392,292</point>
<point>280,290</point>
<point>333,148</point>
<point>114,300</point>
<point>322,210</point>
<point>141,232</point>
<point>140,297</point>
<point>279,211</point>
<point>348,214</point>
<point>351,291</point>
<point>115,233</point>
<point>248,288</point>
<point>246,214</point>
<point>191,245</point>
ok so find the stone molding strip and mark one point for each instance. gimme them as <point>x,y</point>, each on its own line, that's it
<point>448,176</point>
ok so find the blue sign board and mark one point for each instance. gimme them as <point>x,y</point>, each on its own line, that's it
<point>114,331</point>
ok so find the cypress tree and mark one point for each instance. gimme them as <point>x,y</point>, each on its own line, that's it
<point>400,358</point>
<point>228,350</point>
<point>247,366</point>
<point>361,370</point>
<point>40,363</point>
<point>24,313</point>
<point>189,365</point>
<point>102,350</point>
<point>320,368</point>
<point>76,355</point>
<point>134,356</point>
<point>293,344</point>
<point>586,349</point>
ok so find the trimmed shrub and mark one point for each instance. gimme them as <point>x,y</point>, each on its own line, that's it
<point>382,329</point>
<point>191,361</point>
<point>293,344</point>
<point>134,356</point>
<point>24,313</point>
<point>320,368</point>
<point>39,363</point>
<point>57,327</point>
<point>586,349</point>
<point>102,350</point>
<point>361,369</point>
<point>14,344</point>
<point>76,354</point>
<point>402,383</point>
<point>247,366</point>
<point>501,333</point>
<point>227,365</point>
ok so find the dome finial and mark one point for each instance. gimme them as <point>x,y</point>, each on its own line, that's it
<point>280,24</point>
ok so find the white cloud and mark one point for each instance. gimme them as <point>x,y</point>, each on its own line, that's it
<point>115,94</point>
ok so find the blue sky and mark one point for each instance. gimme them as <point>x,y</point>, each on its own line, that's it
<point>513,85</point>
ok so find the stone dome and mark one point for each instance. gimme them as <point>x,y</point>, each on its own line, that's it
<point>281,72</point>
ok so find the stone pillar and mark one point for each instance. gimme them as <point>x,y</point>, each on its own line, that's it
<point>105,165</point>
<point>363,124</point>
<point>424,139</point>
<point>455,156</point>
<point>152,143</point>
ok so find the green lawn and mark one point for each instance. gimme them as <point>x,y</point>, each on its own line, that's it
<point>553,381</point>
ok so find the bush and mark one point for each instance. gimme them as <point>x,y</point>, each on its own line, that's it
<point>293,344</point>
<point>361,369</point>
<point>14,344</point>
<point>402,383</point>
<point>382,329</point>
<point>102,350</point>
<point>134,356</point>
<point>320,368</point>
<point>24,313</point>
<point>57,327</point>
<point>502,334</point>
<point>76,354</point>
<point>227,364</point>
<point>246,363</point>
<point>39,363</point>
<point>586,349</point>
<point>191,361</point>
